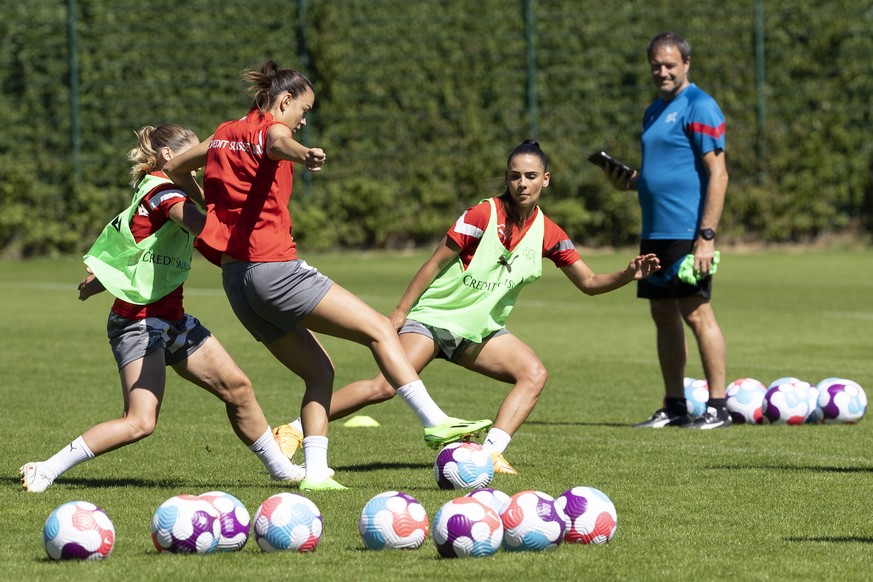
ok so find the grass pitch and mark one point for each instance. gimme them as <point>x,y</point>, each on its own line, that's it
<point>750,503</point>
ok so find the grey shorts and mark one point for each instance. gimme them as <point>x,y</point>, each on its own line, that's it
<point>270,299</point>
<point>133,339</point>
<point>451,345</point>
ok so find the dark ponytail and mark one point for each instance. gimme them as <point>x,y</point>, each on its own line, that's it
<point>268,81</point>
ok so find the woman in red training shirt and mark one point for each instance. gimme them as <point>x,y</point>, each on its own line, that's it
<point>148,327</point>
<point>280,299</point>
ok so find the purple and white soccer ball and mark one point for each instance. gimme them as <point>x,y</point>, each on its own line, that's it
<point>78,530</point>
<point>186,524</point>
<point>841,401</point>
<point>696,396</point>
<point>532,522</point>
<point>463,465</point>
<point>493,498</point>
<point>288,522</point>
<point>591,516</point>
<point>744,399</point>
<point>464,527</point>
<point>393,521</point>
<point>234,519</point>
<point>787,403</point>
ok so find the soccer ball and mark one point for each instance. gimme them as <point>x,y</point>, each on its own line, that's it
<point>744,399</point>
<point>464,527</point>
<point>186,524</point>
<point>696,396</point>
<point>787,403</point>
<point>78,530</point>
<point>841,401</point>
<point>783,380</point>
<point>463,465</point>
<point>496,500</point>
<point>591,517</point>
<point>532,521</point>
<point>288,522</point>
<point>815,415</point>
<point>234,519</point>
<point>393,521</point>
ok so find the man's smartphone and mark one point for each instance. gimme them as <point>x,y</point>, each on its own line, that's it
<point>606,161</point>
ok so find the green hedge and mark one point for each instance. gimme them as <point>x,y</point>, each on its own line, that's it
<point>420,102</point>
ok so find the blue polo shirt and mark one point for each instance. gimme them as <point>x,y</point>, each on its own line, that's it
<point>673,179</point>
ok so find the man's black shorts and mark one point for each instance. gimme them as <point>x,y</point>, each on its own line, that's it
<point>665,284</point>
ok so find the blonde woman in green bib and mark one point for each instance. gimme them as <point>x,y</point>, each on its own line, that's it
<point>143,257</point>
<point>456,305</point>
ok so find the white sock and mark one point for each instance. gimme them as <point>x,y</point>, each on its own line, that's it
<point>68,457</point>
<point>268,451</point>
<point>298,424</point>
<point>415,395</point>
<point>315,457</point>
<point>496,441</point>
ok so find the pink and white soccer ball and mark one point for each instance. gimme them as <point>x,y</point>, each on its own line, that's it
<point>841,401</point>
<point>393,521</point>
<point>744,399</point>
<point>463,527</point>
<point>493,498</point>
<point>186,524</point>
<point>532,522</point>
<point>591,516</point>
<point>234,520</point>
<point>463,465</point>
<point>696,396</point>
<point>78,530</point>
<point>288,522</point>
<point>787,403</point>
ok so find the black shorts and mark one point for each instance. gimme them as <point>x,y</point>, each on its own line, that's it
<point>665,284</point>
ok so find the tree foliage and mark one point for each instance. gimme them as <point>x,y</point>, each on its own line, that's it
<point>419,103</point>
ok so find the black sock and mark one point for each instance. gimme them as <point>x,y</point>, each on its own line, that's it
<point>717,403</point>
<point>676,405</point>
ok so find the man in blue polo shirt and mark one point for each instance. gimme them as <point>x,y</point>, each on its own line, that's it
<point>681,185</point>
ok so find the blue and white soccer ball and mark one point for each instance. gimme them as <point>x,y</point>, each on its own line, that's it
<point>234,519</point>
<point>815,413</point>
<point>591,516</point>
<point>841,401</point>
<point>744,399</point>
<point>288,522</point>
<point>696,396</point>
<point>186,524</point>
<point>783,380</point>
<point>493,498</point>
<point>393,521</point>
<point>787,403</point>
<point>463,465</point>
<point>532,522</point>
<point>78,530</point>
<point>463,527</point>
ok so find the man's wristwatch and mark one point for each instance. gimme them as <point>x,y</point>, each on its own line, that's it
<point>707,233</point>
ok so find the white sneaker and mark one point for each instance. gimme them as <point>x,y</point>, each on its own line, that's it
<point>33,479</point>
<point>298,472</point>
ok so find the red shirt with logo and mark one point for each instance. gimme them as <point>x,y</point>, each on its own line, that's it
<point>247,195</point>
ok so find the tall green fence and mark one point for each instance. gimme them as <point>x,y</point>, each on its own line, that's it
<point>419,102</point>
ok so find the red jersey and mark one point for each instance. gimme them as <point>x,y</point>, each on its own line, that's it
<point>469,228</point>
<point>152,214</point>
<point>247,195</point>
